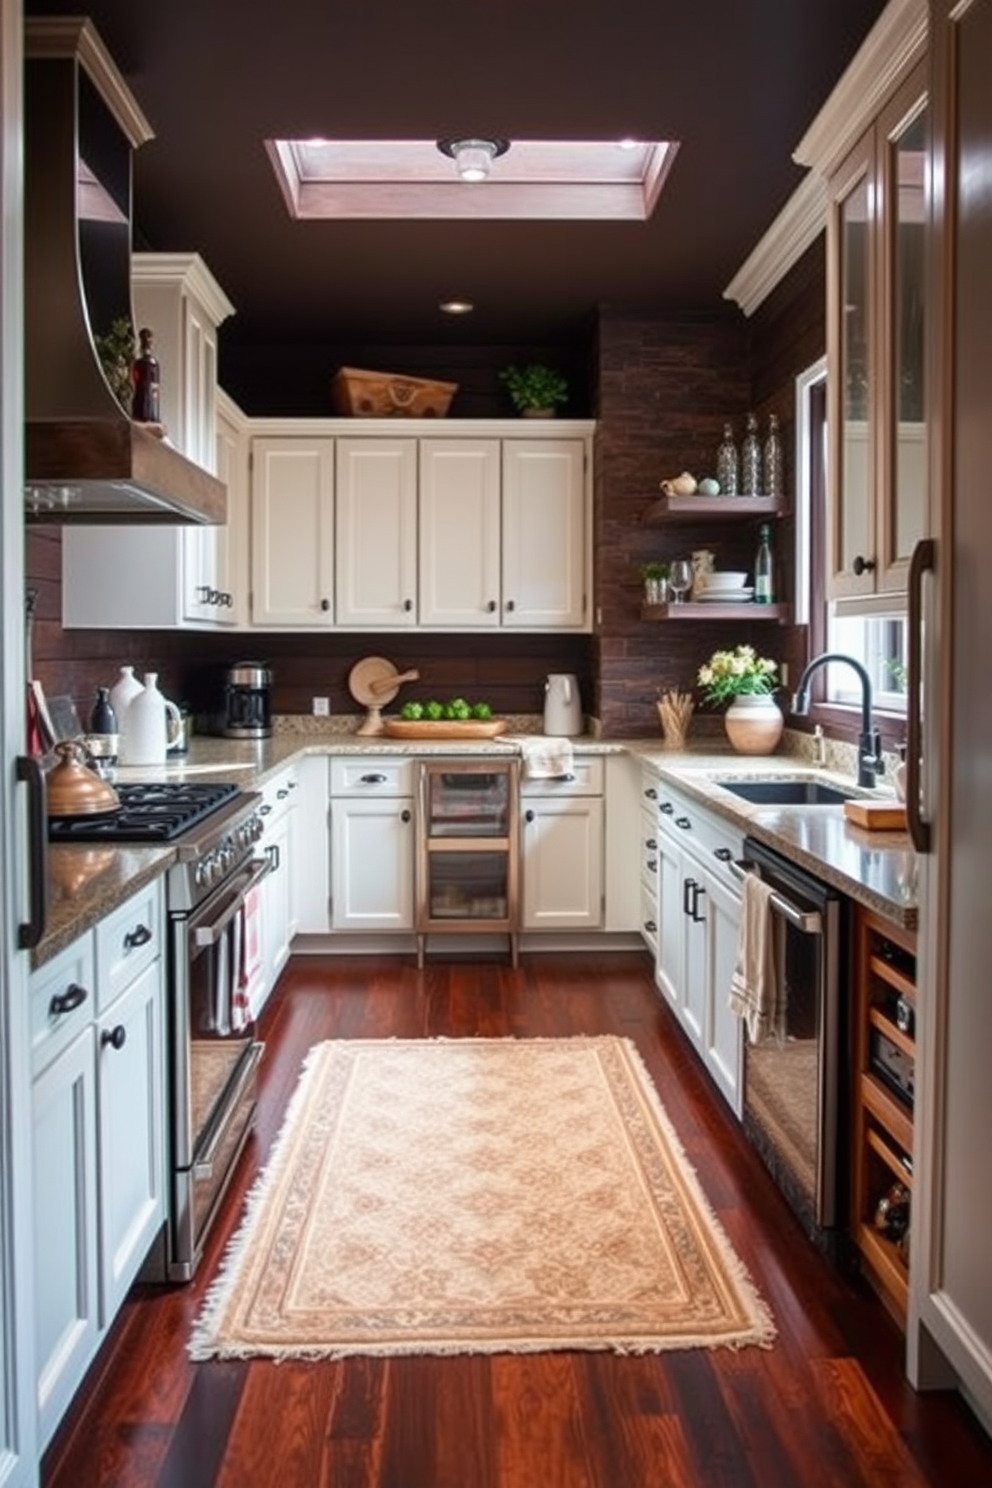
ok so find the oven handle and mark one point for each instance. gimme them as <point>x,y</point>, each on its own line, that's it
<point>810,922</point>
<point>203,1167</point>
<point>208,935</point>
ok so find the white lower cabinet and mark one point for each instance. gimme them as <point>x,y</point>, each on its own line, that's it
<point>373,844</point>
<point>278,905</point>
<point>310,845</point>
<point>98,1120</point>
<point>698,920</point>
<point>562,850</point>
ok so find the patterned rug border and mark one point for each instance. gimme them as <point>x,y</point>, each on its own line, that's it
<point>204,1343</point>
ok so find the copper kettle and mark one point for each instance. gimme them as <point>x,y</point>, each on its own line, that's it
<point>73,788</point>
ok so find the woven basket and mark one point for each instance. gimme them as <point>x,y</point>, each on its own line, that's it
<point>358,394</point>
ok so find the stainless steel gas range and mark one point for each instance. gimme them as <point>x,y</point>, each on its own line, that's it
<point>212,1048</point>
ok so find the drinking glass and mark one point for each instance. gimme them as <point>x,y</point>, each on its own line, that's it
<point>680,579</point>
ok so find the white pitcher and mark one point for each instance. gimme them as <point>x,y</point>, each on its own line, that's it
<point>145,730</point>
<point>562,705</point>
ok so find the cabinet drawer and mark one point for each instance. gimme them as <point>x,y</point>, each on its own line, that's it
<point>381,775</point>
<point>649,851</point>
<point>63,1000</point>
<point>277,794</point>
<point>697,830</point>
<point>584,779</point>
<point>127,941</point>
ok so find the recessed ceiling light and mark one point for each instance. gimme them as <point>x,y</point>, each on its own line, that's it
<point>456,307</point>
<point>473,157</point>
<point>628,143</point>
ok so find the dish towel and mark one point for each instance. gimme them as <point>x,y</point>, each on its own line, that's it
<point>547,758</point>
<point>755,993</point>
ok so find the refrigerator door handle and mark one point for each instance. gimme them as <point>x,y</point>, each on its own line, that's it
<point>30,773</point>
<point>922,562</point>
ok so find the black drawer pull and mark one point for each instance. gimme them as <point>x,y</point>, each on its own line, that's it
<point>684,823</point>
<point>650,927</point>
<point>652,865</point>
<point>666,808</point>
<point>528,816</point>
<point>64,1002</point>
<point>724,854</point>
<point>139,936</point>
<point>651,793</point>
<point>406,816</point>
<point>373,780</point>
<point>116,1037</point>
<point>651,844</point>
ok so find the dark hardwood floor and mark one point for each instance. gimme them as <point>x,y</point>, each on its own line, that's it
<point>827,1405</point>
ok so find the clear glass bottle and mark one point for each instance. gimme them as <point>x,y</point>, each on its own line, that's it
<point>772,459</point>
<point>727,469</point>
<point>145,404</point>
<point>764,583</point>
<point>751,459</point>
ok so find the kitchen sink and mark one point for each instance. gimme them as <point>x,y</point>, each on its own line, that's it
<point>787,792</point>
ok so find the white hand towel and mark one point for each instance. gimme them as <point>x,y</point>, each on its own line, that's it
<point>547,758</point>
<point>755,985</point>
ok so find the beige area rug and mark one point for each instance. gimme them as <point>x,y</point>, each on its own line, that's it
<point>477,1196</point>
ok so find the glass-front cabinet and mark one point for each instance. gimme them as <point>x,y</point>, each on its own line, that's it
<point>876,301</point>
<point>468,866</point>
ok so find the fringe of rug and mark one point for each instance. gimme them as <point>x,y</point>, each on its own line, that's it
<point>202,1344</point>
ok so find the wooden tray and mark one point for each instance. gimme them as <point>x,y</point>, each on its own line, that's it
<point>877,816</point>
<point>444,728</point>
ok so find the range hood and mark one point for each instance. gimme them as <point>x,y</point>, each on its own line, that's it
<point>85,458</point>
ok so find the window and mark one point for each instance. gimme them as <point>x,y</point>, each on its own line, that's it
<point>878,640</point>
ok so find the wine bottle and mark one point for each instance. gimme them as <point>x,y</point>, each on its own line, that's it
<point>145,405</point>
<point>103,719</point>
<point>764,586</point>
<point>751,459</point>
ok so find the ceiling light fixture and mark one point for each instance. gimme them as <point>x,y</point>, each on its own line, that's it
<point>473,157</point>
<point>456,307</point>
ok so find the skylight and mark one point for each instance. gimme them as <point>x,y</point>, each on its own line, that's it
<point>533,179</point>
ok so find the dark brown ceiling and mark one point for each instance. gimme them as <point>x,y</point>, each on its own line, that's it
<point>737,83</point>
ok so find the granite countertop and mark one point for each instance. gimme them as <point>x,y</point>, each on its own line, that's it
<point>876,868</point>
<point>87,881</point>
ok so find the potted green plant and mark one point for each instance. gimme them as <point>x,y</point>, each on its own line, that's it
<point>535,390</point>
<point>655,576</point>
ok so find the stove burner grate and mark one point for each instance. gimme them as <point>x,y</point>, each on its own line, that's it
<point>147,813</point>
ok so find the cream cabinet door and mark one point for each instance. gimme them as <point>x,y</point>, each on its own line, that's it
<point>292,530</point>
<point>460,533</point>
<point>372,863</point>
<point>376,532</point>
<point>562,862</point>
<point>65,1226</point>
<point>544,543</point>
<point>131,1133</point>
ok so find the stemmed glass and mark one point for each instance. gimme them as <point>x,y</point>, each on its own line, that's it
<point>680,579</point>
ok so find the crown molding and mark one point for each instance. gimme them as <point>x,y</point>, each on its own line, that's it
<point>76,37</point>
<point>796,227</point>
<point>188,271</point>
<point>896,42</point>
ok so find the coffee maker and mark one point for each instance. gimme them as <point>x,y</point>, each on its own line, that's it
<point>247,701</point>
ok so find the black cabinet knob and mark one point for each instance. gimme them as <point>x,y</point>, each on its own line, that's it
<point>116,1037</point>
<point>863,565</point>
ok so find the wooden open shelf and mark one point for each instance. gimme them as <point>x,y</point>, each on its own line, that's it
<point>710,508</point>
<point>695,611</point>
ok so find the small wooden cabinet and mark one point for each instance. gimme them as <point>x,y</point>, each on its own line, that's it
<point>882,1115</point>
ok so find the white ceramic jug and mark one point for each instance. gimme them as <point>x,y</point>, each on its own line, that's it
<point>148,722</point>
<point>562,705</point>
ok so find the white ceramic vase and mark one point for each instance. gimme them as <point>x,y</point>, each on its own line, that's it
<point>754,724</point>
<point>145,735</point>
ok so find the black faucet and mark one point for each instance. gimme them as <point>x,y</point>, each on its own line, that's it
<point>870,762</point>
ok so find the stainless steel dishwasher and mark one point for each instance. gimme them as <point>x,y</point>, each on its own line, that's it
<point>792,1096</point>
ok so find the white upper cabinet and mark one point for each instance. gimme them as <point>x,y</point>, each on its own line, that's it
<point>460,533</point>
<point>376,532</point>
<point>544,534</point>
<point>876,391</point>
<point>292,533</point>
<point>164,577</point>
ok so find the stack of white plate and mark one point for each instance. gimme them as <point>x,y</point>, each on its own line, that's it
<point>722,588</point>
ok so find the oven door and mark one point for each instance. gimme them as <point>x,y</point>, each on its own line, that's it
<point>214,1054</point>
<point>792,1097</point>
